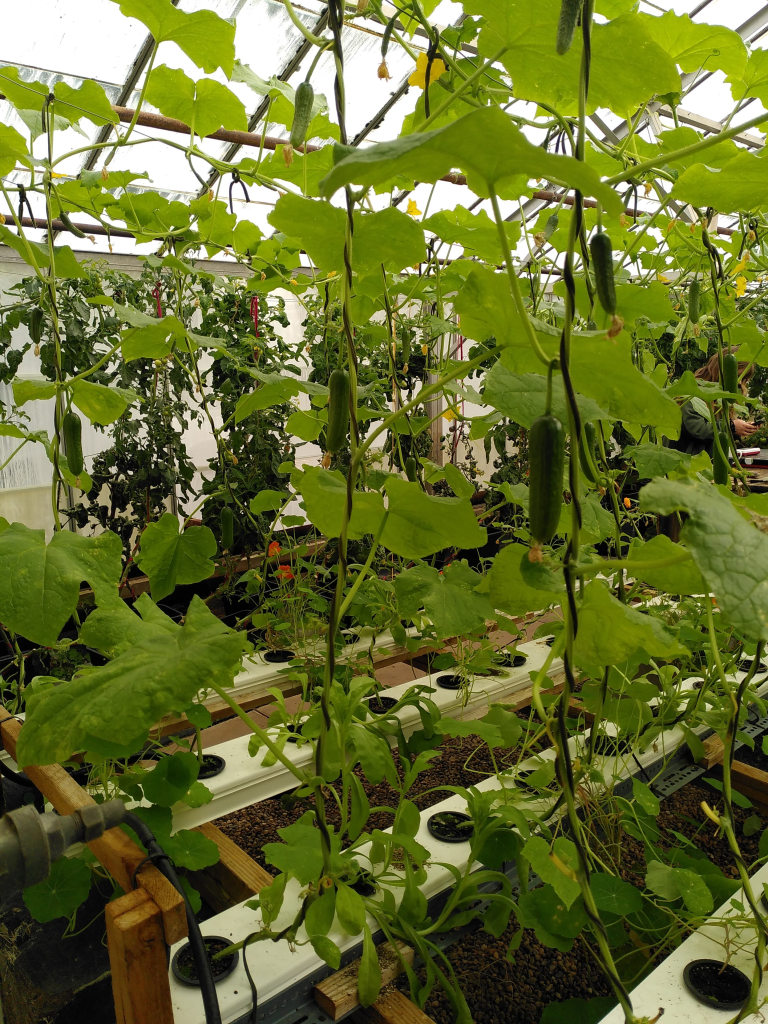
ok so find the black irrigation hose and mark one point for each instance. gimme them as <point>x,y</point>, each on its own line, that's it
<point>163,862</point>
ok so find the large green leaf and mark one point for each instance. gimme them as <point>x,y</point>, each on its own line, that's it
<point>610,632</point>
<point>475,231</point>
<point>115,629</point>
<point>40,584</point>
<point>674,579</point>
<point>510,591</point>
<point>541,75</point>
<point>742,184</point>
<point>205,105</point>
<point>523,397</point>
<point>656,460</point>
<point>264,397</point>
<point>12,148</point>
<point>752,81</point>
<point>207,39</point>
<point>537,852</point>
<point>101,404</point>
<point>319,227</point>
<point>325,495</point>
<point>171,558</point>
<point>390,237</point>
<point>88,101</point>
<point>450,599</point>
<point>731,554</point>
<point>110,709</point>
<point>696,46</point>
<point>420,524</point>
<point>65,888</point>
<point>615,896</point>
<point>484,144</point>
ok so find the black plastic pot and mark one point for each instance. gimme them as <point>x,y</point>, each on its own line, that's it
<point>183,963</point>
<point>212,765</point>
<point>715,984</point>
<point>451,827</point>
<point>513,660</point>
<point>610,746</point>
<point>381,705</point>
<point>448,681</point>
<point>364,886</point>
<point>278,657</point>
<point>295,730</point>
<point>746,664</point>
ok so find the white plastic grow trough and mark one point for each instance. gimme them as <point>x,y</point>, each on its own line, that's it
<point>275,969</point>
<point>244,781</point>
<point>664,987</point>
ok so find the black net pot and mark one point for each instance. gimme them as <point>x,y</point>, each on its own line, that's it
<point>715,984</point>
<point>381,705</point>
<point>451,826</point>
<point>746,664</point>
<point>449,681</point>
<point>212,765</point>
<point>281,657</point>
<point>610,746</point>
<point>295,733</point>
<point>509,660</point>
<point>183,963</point>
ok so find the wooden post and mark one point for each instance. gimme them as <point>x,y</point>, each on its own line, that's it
<point>137,958</point>
<point>394,1008</point>
<point>752,782</point>
<point>337,995</point>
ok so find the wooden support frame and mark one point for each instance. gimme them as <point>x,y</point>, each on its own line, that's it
<point>752,783</point>
<point>393,1007</point>
<point>139,924</point>
<point>235,878</point>
<point>337,994</point>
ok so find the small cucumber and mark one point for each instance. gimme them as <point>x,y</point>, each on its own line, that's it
<point>602,261</point>
<point>338,410</point>
<point>694,301</point>
<point>546,450</point>
<point>72,428</point>
<point>730,373</point>
<point>412,469</point>
<point>566,25</point>
<point>227,522</point>
<point>302,114</point>
<point>36,325</point>
<point>69,226</point>
<point>720,465</point>
<point>587,452</point>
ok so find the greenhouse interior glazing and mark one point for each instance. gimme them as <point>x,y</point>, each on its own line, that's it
<point>384,512</point>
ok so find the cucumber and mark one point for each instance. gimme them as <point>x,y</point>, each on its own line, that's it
<point>69,226</point>
<point>566,25</point>
<point>412,469</point>
<point>602,263</point>
<point>72,429</point>
<point>720,465</point>
<point>338,410</point>
<point>587,452</point>
<point>730,373</point>
<point>546,450</point>
<point>36,325</point>
<point>694,301</point>
<point>227,522</point>
<point>302,114</point>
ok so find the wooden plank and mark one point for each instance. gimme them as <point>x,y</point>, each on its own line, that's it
<point>337,995</point>
<point>137,957</point>
<point>713,751</point>
<point>393,1007</point>
<point>236,878</point>
<point>119,854</point>
<point>752,782</point>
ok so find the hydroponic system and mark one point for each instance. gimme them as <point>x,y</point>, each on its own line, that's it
<point>383,512</point>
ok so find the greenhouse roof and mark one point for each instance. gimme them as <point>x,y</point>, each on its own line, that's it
<point>75,42</point>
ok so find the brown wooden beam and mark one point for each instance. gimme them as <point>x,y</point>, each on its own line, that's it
<point>393,1007</point>
<point>235,878</point>
<point>137,959</point>
<point>337,995</point>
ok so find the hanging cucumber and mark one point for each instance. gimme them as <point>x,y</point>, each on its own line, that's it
<point>546,451</point>
<point>720,466</point>
<point>412,469</point>
<point>602,262</point>
<point>730,373</point>
<point>587,452</point>
<point>566,25</point>
<point>227,523</point>
<point>694,301</point>
<point>338,410</point>
<point>302,114</point>
<point>69,226</point>
<point>72,429</point>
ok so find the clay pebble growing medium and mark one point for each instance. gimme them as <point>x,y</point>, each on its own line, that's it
<point>462,762</point>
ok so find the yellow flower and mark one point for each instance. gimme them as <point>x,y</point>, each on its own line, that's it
<point>419,75</point>
<point>449,414</point>
<point>741,286</point>
<point>294,281</point>
<point>424,349</point>
<point>413,209</point>
<point>741,264</point>
<point>664,280</point>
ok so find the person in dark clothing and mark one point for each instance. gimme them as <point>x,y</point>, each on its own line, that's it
<point>696,433</point>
